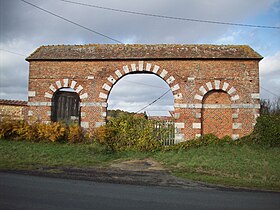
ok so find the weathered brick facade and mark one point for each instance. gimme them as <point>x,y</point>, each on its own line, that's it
<point>215,88</point>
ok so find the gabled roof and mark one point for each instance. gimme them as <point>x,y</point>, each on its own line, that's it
<point>142,51</point>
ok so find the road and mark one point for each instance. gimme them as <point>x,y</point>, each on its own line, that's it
<point>32,192</point>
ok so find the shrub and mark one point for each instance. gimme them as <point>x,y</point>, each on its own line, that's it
<point>204,140</point>
<point>53,131</point>
<point>267,130</point>
<point>127,132</point>
<point>75,134</point>
<point>13,129</point>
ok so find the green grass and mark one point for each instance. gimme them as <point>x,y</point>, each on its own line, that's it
<point>231,165</point>
<point>28,155</point>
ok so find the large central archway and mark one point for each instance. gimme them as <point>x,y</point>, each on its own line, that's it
<point>142,92</point>
<point>148,68</point>
<point>134,68</point>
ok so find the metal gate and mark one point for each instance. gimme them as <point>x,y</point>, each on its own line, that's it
<point>164,131</point>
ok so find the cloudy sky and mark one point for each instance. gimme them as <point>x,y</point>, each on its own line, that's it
<point>24,28</point>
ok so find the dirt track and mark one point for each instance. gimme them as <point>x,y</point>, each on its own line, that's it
<point>136,172</point>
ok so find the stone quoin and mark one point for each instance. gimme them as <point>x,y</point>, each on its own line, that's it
<point>215,87</point>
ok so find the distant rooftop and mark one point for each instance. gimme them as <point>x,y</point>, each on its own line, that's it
<point>13,102</point>
<point>142,51</point>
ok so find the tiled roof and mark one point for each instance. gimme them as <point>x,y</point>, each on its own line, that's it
<point>13,102</point>
<point>142,51</point>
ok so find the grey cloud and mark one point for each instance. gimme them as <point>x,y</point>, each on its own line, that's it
<point>270,85</point>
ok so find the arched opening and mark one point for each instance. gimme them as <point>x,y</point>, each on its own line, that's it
<point>66,106</point>
<point>217,114</point>
<point>142,93</point>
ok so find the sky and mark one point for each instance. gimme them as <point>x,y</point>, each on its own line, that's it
<point>24,28</point>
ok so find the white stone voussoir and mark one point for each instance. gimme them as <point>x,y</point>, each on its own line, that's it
<point>170,80</point>
<point>141,65</point>
<point>106,87</point>
<point>217,84</point>
<point>156,68</point>
<point>118,73</point>
<point>175,87</point>
<point>198,97</point>
<point>83,96</point>
<point>163,73</point>
<point>48,95</point>
<point>79,89</point>
<point>126,69</point>
<point>103,95</point>
<point>58,84</point>
<point>203,90</point>
<point>65,82</point>
<point>148,66</point>
<point>73,83</point>
<point>111,79</point>
<point>133,67</point>
<point>209,86</point>
<point>225,86</point>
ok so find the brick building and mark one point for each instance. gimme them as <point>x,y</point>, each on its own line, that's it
<point>215,87</point>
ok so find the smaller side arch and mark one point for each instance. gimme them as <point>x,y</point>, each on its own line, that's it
<point>65,107</point>
<point>216,114</point>
<point>216,110</point>
<point>66,83</point>
<point>217,85</point>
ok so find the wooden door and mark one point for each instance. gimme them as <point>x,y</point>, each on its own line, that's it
<point>66,107</point>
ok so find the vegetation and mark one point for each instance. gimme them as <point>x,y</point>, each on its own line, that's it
<point>128,132</point>
<point>252,161</point>
<point>231,165</point>
<point>267,129</point>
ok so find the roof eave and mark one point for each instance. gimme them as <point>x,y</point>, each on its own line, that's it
<point>135,58</point>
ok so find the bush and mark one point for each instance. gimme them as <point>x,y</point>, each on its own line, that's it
<point>13,129</point>
<point>53,131</point>
<point>127,132</point>
<point>204,140</point>
<point>40,132</point>
<point>267,130</point>
<point>75,134</point>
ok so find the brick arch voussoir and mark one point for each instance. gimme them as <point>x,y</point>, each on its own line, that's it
<point>217,85</point>
<point>141,66</point>
<point>66,83</point>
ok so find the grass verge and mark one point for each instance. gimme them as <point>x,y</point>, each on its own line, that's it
<point>248,166</point>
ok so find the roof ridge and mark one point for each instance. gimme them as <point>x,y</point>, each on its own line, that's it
<point>143,51</point>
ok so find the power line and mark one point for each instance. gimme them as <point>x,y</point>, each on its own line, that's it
<point>153,101</point>
<point>140,83</point>
<point>269,91</point>
<point>13,52</point>
<point>171,17</point>
<point>72,22</point>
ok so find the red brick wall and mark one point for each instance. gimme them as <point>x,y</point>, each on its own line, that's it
<point>238,78</point>
<point>217,116</point>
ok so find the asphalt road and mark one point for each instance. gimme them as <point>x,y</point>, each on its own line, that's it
<point>31,192</point>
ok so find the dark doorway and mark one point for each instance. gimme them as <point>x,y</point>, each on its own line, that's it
<point>66,107</point>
